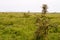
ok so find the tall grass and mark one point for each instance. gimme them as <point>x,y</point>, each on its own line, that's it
<point>15,26</point>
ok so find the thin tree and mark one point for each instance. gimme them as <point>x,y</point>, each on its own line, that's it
<point>44,9</point>
<point>42,31</point>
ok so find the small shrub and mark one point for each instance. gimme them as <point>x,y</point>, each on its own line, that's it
<point>26,15</point>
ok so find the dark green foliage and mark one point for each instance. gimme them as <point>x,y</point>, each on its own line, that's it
<point>42,30</point>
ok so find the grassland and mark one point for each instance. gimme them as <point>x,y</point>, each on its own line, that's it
<point>20,26</point>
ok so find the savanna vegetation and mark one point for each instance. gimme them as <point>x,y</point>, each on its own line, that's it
<point>22,26</point>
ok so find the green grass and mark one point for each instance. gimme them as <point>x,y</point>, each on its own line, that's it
<point>17,26</point>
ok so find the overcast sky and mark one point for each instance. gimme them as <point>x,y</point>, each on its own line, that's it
<point>25,5</point>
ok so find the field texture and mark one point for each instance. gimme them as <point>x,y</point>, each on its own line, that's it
<point>21,26</point>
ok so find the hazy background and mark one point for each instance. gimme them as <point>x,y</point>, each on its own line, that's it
<point>25,5</point>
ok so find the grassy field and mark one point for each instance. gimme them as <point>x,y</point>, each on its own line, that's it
<point>21,26</point>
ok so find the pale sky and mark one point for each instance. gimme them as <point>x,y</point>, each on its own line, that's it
<point>31,5</point>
